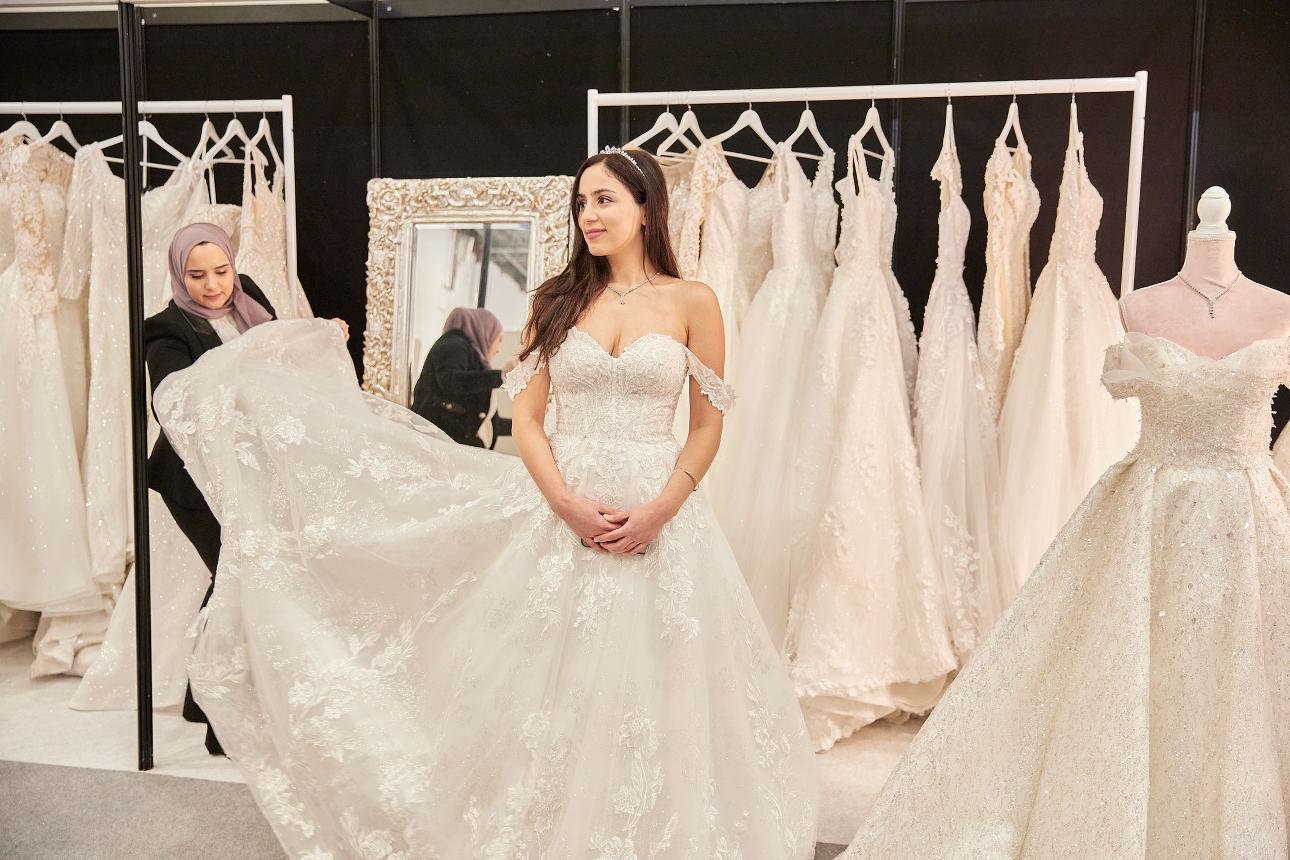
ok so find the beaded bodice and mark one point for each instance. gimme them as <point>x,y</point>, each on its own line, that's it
<point>1198,409</point>
<point>628,398</point>
<point>1079,206</point>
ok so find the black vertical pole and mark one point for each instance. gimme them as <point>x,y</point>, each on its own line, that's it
<point>624,67</point>
<point>1193,119</point>
<point>130,39</point>
<point>374,71</point>
<point>897,77</point>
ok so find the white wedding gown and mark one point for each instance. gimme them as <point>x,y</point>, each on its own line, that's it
<point>44,556</point>
<point>866,633</point>
<point>1134,701</point>
<point>1060,430</point>
<point>412,656</point>
<point>754,469</point>
<point>1011,206</point>
<point>954,431</point>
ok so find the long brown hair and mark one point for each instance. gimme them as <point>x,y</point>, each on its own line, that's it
<point>561,301</point>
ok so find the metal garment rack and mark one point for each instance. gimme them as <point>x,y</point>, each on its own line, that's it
<point>130,113</point>
<point>966,89</point>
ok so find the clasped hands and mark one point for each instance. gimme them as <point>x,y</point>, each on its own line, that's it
<point>608,530</point>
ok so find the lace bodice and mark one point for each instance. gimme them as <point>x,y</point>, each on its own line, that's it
<point>1210,411</point>
<point>797,220</point>
<point>626,398</point>
<point>1079,206</point>
<point>863,216</point>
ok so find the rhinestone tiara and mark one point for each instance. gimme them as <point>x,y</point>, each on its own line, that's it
<point>623,153</point>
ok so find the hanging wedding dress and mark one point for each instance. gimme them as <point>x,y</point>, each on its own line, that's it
<point>411,655</point>
<point>755,254</point>
<point>1134,700</point>
<point>756,463</point>
<point>954,431</point>
<point>1011,205</point>
<point>867,634</point>
<point>899,301</point>
<point>1281,453</point>
<point>44,556</point>
<point>1060,430</point>
<point>262,250</point>
<point>94,271</point>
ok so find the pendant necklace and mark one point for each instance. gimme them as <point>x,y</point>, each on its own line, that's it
<point>1207,298</point>
<point>622,297</point>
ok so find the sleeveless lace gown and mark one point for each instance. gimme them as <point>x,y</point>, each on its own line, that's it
<point>867,634</point>
<point>756,464</point>
<point>1060,430</point>
<point>1011,205</point>
<point>411,656</point>
<point>262,249</point>
<point>955,434</point>
<point>1134,700</point>
<point>44,555</point>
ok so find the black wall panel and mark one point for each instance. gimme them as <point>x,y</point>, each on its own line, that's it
<point>323,66</point>
<point>66,65</point>
<point>1010,39</point>
<point>492,95</point>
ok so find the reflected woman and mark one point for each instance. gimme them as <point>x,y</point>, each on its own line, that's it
<point>456,385</point>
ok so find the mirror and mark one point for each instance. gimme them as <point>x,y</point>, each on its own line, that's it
<point>439,244</point>
<point>473,265</point>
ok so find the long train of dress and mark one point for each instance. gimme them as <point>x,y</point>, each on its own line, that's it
<point>409,653</point>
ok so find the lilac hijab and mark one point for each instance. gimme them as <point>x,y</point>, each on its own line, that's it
<point>246,311</point>
<point>481,326</point>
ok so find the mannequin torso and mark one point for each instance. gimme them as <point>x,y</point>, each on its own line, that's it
<point>1246,313</point>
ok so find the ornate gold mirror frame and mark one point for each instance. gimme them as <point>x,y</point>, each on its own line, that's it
<point>397,206</point>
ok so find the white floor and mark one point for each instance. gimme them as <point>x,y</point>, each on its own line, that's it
<point>36,726</point>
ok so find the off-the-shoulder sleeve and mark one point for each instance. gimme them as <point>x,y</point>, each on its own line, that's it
<point>713,387</point>
<point>1123,372</point>
<point>518,379</point>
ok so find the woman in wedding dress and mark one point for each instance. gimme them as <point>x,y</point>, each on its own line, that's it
<point>1134,700</point>
<point>419,649</point>
<point>867,634</point>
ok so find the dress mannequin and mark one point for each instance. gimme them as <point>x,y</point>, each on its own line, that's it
<point>1247,313</point>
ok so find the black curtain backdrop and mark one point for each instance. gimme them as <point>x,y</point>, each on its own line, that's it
<point>505,95</point>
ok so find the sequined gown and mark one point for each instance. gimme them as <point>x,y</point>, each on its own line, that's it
<point>867,632</point>
<point>1060,430</point>
<point>411,656</point>
<point>1134,701</point>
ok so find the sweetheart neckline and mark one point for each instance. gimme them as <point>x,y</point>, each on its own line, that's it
<point>1194,354</point>
<point>629,346</point>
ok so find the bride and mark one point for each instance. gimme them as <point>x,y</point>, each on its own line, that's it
<point>421,650</point>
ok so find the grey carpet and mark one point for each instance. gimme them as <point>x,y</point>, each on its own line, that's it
<point>73,813</point>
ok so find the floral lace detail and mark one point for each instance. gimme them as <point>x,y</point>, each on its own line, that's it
<point>448,672</point>
<point>518,379</point>
<point>711,171</point>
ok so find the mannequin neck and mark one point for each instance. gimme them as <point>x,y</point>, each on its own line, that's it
<point>1210,262</point>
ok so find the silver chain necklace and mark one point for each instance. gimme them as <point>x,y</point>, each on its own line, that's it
<point>622,297</point>
<point>1215,298</point>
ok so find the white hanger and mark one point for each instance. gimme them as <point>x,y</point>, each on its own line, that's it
<point>1013,124</point>
<point>855,147</point>
<point>666,122</point>
<point>61,129</point>
<point>689,122</point>
<point>234,129</point>
<point>24,128</point>
<point>805,124</point>
<point>149,131</point>
<point>748,119</point>
<point>265,132</point>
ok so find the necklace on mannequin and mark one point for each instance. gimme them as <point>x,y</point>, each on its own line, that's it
<point>1211,301</point>
<point>622,297</point>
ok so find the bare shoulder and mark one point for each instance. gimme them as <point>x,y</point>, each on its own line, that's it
<point>693,297</point>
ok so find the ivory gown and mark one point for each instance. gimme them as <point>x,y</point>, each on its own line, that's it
<point>1134,700</point>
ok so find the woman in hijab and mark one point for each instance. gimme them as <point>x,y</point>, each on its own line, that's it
<point>456,385</point>
<point>212,304</point>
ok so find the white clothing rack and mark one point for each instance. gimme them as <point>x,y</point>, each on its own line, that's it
<point>964,89</point>
<point>234,106</point>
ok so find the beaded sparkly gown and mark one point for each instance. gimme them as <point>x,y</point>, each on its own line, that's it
<point>411,656</point>
<point>1134,701</point>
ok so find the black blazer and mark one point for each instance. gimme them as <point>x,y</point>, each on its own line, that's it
<point>173,340</point>
<point>455,388</point>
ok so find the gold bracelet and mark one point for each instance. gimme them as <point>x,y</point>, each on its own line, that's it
<point>692,478</point>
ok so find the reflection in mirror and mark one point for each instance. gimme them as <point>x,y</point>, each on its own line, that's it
<point>449,271</point>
